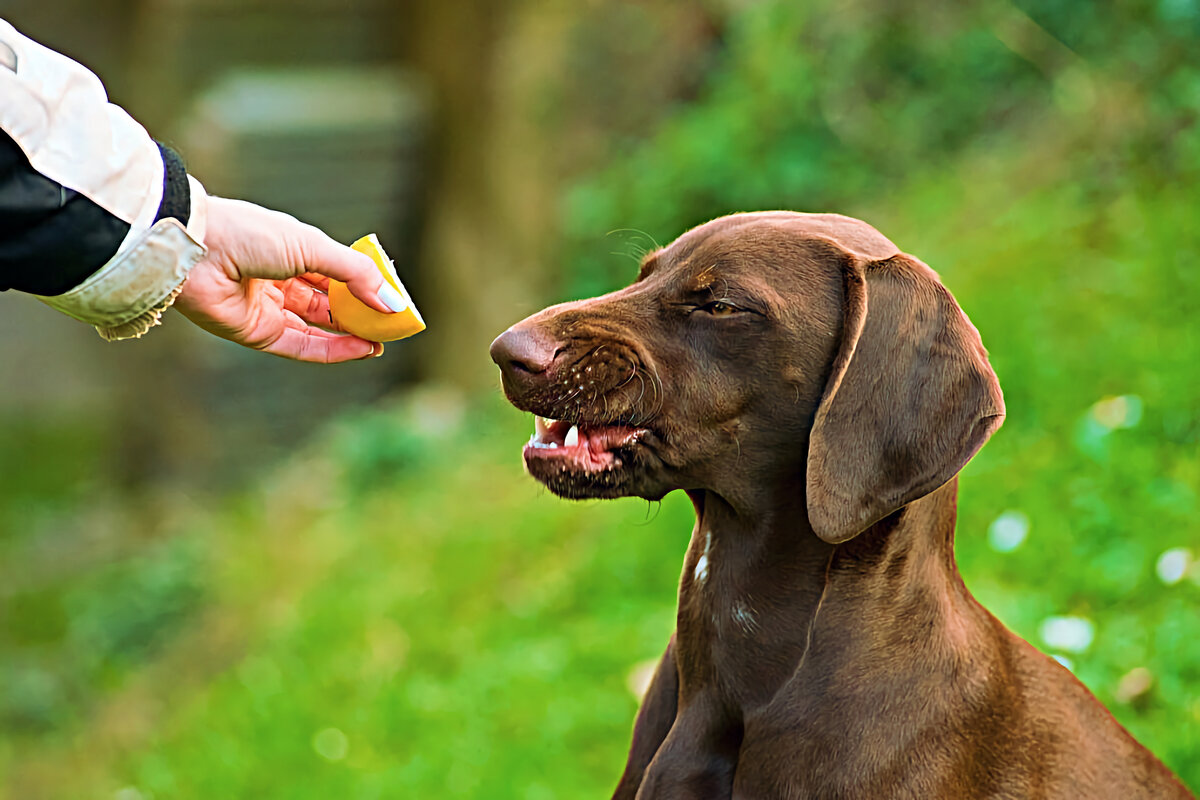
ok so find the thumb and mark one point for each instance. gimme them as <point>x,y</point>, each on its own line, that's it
<point>358,271</point>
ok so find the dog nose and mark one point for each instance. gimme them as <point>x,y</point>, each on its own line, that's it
<point>524,352</point>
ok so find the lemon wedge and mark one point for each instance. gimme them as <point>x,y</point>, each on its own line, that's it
<point>354,316</point>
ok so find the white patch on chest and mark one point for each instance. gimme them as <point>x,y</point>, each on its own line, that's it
<point>701,571</point>
<point>744,617</point>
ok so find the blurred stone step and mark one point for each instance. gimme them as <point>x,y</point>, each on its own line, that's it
<point>342,148</point>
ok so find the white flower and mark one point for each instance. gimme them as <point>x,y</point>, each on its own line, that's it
<point>1073,634</point>
<point>1174,564</point>
<point>1007,531</point>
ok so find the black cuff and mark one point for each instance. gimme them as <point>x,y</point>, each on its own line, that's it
<point>177,193</point>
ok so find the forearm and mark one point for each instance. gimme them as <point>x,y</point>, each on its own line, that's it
<point>95,219</point>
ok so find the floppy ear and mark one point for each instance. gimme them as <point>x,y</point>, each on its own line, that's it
<point>910,398</point>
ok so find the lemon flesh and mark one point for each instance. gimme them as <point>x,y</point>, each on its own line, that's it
<point>354,316</point>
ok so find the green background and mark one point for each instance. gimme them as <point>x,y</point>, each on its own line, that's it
<point>392,609</point>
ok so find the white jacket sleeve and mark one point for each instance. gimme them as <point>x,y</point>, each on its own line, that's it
<point>57,112</point>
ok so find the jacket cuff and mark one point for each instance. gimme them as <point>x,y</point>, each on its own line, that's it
<point>183,196</point>
<point>127,296</point>
<point>197,222</point>
<point>176,200</point>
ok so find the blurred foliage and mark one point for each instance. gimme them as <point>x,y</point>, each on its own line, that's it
<point>836,106</point>
<point>45,467</point>
<point>398,611</point>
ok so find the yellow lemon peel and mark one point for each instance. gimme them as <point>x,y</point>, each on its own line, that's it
<point>352,315</point>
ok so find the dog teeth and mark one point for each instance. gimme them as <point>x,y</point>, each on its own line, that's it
<point>544,439</point>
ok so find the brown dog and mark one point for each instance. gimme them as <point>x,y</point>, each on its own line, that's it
<point>815,392</point>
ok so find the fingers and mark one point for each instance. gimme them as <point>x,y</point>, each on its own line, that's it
<point>264,284</point>
<point>303,343</point>
<point>303,300</point>
<point>257,242</point>
<point>326,257</point>
<point>316,280</point>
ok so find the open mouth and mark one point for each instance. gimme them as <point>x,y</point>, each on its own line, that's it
<point>587,448</point>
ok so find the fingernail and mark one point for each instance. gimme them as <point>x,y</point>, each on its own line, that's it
<point>376,351</point>
<point>391,298</point>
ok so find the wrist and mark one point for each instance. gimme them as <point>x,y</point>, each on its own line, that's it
<point>128,295</point>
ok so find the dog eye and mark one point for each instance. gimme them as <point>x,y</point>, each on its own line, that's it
<point>718,308</point>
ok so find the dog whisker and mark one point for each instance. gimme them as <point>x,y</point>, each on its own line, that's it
<point>640,232</point>
<point>642,392</point>
<point>660,397</point>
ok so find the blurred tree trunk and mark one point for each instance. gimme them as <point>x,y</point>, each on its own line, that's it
<point>485,257</point>
<point>528,94</point>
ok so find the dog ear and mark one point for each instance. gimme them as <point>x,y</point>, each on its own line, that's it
<point>910,398</point>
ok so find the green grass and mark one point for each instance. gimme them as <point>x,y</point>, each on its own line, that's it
<point>464,633</point>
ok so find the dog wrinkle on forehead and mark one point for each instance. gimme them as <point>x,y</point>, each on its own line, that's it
<point>705,278</point>
<point>726,275</point>
<point>769,263</point>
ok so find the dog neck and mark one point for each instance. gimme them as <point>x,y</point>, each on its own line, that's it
<point>763,599</point>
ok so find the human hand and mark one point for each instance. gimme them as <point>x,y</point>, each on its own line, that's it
<point>262,284</point>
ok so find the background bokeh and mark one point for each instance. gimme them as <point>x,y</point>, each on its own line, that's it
<point>223,575</point>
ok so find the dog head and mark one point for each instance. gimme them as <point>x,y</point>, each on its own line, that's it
<point>766,351</point>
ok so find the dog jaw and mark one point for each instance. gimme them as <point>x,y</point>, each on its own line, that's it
<point>579,461</point>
